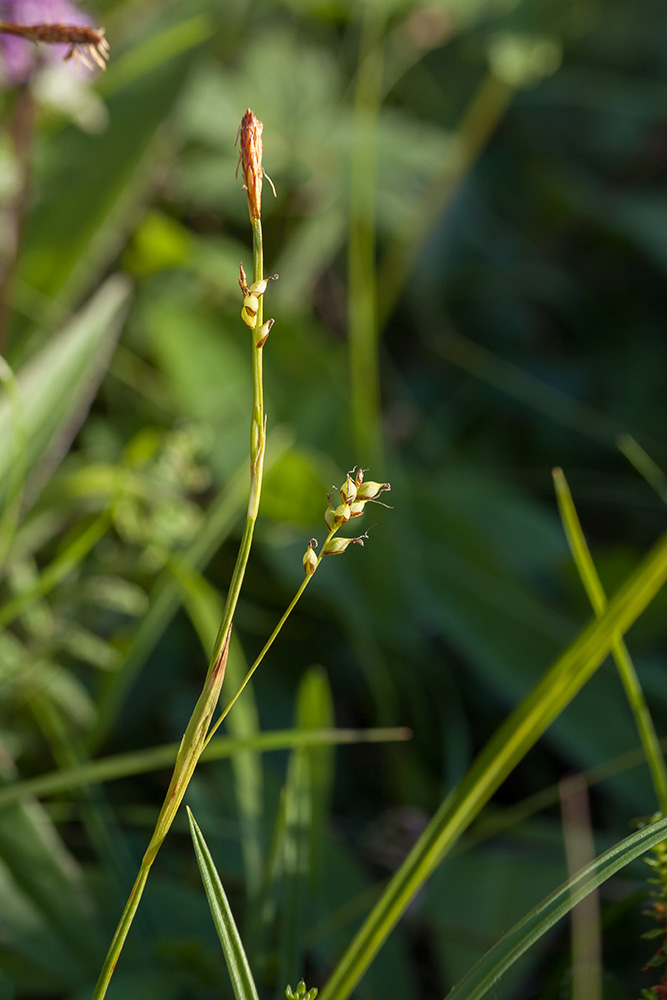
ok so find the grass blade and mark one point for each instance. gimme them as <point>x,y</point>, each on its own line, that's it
<point>535,924</point>
<point>626,669</point>
<point>507,747</point>
<point>123,765</point>
<point>232,946</point>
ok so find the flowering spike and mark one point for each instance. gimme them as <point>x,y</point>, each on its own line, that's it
<point>251,148</point>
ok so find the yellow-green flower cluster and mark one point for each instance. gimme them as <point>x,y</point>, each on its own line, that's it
<point>354,495</point>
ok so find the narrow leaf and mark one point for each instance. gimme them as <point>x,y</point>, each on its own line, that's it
<point>117,766</point>
<point>535,924</point>
<point>626,668</point>
<point>232,946</point>
<point>507,747</point>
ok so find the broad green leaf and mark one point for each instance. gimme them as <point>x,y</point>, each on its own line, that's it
<point>58,383</point>
<point>507,747</point>
<point>232,946</point>
<point>512,945</point>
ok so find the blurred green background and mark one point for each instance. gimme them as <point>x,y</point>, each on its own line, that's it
<point>470,229</point>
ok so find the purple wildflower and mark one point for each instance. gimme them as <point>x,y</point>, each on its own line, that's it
<point>20,58</point>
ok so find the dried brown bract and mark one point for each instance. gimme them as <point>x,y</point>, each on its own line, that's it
<point>86,43</point>
<point>250,132</point>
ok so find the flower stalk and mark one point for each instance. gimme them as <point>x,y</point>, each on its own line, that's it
<point>354,495</point>
<point>197,734</point>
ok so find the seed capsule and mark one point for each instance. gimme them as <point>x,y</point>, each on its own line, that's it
<point>336,546</point>
<point>370,490</point>
<point>341,514</point>
<point>263,332</point>
<point>259,287</point>
<point>249,311</point>
<point>310,559</point>
<point>348,491</point>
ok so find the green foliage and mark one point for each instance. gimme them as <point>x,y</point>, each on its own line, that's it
<point>469,216</point>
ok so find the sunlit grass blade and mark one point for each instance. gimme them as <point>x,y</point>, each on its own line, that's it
<point>596,595</point>
<point>643,463</point>
<point>507,747</point>
<point>58,382</point>
<point>239,970</point>
<point>535,924</point>
<point>117,766</point>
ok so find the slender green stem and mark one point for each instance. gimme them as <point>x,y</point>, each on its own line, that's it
<point>257,447</point>
<point>269,642</point>
<point>596,595</point>
<point>195,737</point>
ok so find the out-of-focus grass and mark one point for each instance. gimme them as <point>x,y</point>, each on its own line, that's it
<point>517,237</point>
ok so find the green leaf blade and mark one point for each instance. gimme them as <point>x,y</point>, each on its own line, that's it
<point>243,983</point>
<point>514,738</point>
<point>485,973</point>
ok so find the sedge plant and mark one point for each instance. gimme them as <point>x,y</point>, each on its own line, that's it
<point>355,493</point>
<point>524,726</point>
